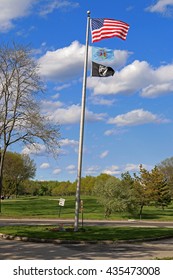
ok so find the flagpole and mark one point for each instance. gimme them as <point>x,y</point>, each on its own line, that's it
<point>82,122</point>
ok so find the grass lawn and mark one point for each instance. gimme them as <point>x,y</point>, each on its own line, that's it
<point>47,207</point>
<point>94,233</point>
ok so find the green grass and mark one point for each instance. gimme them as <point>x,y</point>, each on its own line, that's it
<point>94,233</point>
<point>47,207</point>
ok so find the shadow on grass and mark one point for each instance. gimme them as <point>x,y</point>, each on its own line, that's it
<point>94,233</point>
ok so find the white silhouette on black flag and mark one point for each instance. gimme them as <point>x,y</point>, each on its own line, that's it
<point>99,70</point>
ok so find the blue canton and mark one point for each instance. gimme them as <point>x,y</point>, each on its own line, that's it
<point>97,23</point>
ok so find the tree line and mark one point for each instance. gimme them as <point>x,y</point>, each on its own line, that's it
<point>129,193</point>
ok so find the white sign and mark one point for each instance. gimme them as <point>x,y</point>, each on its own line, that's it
<point>61,202</point>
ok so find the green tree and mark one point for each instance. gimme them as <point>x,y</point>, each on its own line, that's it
<point>17,168</point>
<point>87,184</point>
<point>161,189</point>
<point>20,115</point>
<point>144,190</point>
<point>151,188</point>
<point>114,195</point>
<point>166,167</point>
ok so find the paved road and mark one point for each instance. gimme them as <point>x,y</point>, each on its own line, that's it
<point>16,250</point>
<point>5,222</point>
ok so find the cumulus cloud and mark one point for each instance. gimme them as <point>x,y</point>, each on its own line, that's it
<point>92,170</point>
<point>56,171</point>
<point>11,10</point>
<point>63,64</point>
<point>69,115</point>
<point>161,6</point>
<point>112,170</point>
<point>45,165</point>
<point>34,149</point>
<point>50,104</point>
<point>138,76</point>
<point>136,117</point>
<point>71,169</point>
<point>131,167</point>
<point>102,101</point>
<point>69,142</point>
<point>129,80</point>
<point>66,63</point>
<point>153,91</point>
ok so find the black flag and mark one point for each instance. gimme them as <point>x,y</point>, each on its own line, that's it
<point>99,70</point>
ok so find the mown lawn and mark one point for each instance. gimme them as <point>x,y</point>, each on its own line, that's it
<point>47,207</point>
<point>90,233</point>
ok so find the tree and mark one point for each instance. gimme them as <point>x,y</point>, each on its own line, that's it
<point>166,167</point>
<point>151,187</point>
<point>17,168</point>
<point>143,187</point>
<point>162,191</point>
<point>114,196</point>
<point>20,114</point>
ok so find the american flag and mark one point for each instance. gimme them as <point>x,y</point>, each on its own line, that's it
<point>103,28</point>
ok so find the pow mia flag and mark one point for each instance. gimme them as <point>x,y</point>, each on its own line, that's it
<point>99,70</point>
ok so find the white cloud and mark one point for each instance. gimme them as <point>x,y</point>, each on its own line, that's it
<point>71,169</point>
<point>112,170</point>
<point>153,91</point>
<point>63,64</point>
<point>130,79</point>
<point>44,165</point>
<point>12,10</point>
<point>102,101</point>
<point>136,117</point>
<point>131,167</point>
<point>52,105</point>
<point>69,142</point>
<point>70,115</point>
<point>138,76</point>
<point>92,170</point>
<point>56,171</point>
<point>35,149</point>
<point>118,131</point>
<point>67,63</point>
<point>161,6</point>
<point>57,4</point>
<point>59,88</point>
<point>104,154</point>
<point>16,9</point>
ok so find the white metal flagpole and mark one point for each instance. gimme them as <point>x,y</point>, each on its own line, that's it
<point>81,134</point>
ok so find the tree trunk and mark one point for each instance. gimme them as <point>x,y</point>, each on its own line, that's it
<point>140,213</point>
<point>0,191</point>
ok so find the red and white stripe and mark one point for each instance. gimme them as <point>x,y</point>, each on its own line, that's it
<point>110,28</point>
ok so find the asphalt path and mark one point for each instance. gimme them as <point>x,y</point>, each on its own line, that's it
<point>19,250</point>
<point>133,223</point>
<point>15,250</point>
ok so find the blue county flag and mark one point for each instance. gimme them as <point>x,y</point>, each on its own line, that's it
<point>99,70</point>
<point>102,54</point>
<point>103,28</point>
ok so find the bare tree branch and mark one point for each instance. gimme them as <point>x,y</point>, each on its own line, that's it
<point>20,114</point>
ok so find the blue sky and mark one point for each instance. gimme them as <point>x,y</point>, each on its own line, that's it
<point>129,118</point>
